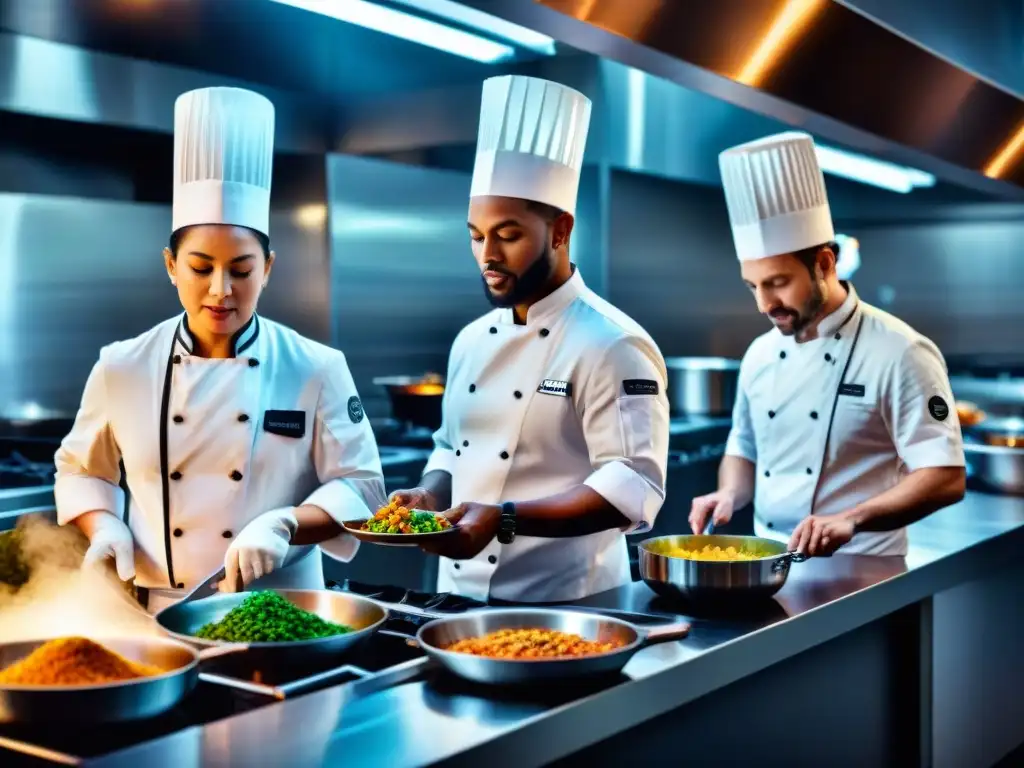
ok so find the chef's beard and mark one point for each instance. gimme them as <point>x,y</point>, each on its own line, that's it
<point>805,315</point>
<point>525,286</point>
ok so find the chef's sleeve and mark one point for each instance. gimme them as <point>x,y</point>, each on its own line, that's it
<point>88,460</point>
<point>443,456</point>
<point>741,440</point>
<point>921,410</point>
<point>346,458</point>
<point>625,417</point>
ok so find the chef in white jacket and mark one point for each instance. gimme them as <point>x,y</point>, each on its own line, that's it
<point>243,443</point>
<point>554,440</point>
<point>844,429</point>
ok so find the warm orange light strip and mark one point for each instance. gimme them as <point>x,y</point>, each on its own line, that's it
<point>1008,154</point>
<point>790,23</point>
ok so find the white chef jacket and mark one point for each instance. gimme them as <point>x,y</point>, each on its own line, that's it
<point>210,444</point>
<point>828,430</point>
<point>574,396</point>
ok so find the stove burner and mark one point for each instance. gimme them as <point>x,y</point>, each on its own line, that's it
<point>442,602</point>
<point>16,471</point>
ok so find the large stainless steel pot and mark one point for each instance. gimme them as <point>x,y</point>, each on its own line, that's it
<point>995,468</point>
<point>182,620</point>
<point>437,635</point>
<point>111,702</point>
<point>415,400</point>
<point>702,386</point>
<point>715,582</point>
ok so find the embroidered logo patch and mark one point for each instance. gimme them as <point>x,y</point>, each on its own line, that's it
<point>938,409</point>
<point>555,387</point>
<point>285,423</point>
<point>640,387</point>
<point>853,390</point>
<point>355,409</point>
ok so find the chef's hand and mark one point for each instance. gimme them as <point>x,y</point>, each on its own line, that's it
<point>717,506</point>
<point>415,498</point>
<point>260,548</point>
<point>476,524</point>
<point>111,538</point>
<point>821,535</point>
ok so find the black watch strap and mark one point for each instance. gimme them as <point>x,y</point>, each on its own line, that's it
<point>507,526</point>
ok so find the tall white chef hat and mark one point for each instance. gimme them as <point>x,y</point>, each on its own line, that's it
<point>531,141</point>
<point>775,193</point>
<point>223,155</point>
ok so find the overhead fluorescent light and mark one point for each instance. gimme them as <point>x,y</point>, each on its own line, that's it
<point>408,27</point>
<point>867,170</point>
<point>484,22</point>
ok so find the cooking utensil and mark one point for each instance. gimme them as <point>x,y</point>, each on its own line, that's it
<point>704,386</point>
<point>111,702</point>
<point>715,580</point>
<point>415,400</point>
<point>182,620</point>
<point>354,527</point>
<point>1001,432</point>
<point>995,469</point>
<point>435,636</point>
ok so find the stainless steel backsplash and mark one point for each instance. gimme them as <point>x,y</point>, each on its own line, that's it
<point>76,274</point>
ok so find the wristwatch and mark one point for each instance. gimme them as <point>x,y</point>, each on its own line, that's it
<point>507,525</point>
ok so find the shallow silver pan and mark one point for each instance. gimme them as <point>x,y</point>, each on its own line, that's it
<point>365,616</point>
<point>716,581</point>
<point>434,637</point>
<point>110,702</point>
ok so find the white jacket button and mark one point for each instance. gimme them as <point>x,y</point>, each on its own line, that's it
<point>517,394</point>
<point>179,419</point>
<point>243,417</point>
<point>227,534</point>
<point>492,559</point>
<point>814,414</point>
<point>253,362</point>
<point>472,387</point>
<point>236,475</point>
<point>175,475</point>
<point>544,332</point>
<point>504,454</point>
<point>178,533</point>
<point>457,566</point>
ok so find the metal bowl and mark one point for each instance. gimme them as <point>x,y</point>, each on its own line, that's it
<point>995,469</point>
<point>183,620</point>
<point>715,581</point>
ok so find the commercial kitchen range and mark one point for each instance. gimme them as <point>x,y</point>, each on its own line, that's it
<point>857,661</point>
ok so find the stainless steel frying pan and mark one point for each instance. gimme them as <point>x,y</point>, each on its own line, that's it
<point>434,637</point>
<point>111,702</point>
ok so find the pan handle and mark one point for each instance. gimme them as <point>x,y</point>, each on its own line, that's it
<point>221,650</point>
<point>666,632</point>
<point>786,559</point>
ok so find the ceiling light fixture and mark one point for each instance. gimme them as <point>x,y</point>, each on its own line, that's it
<point>484,22</point>
<point>408,27</point>
<point>867,170</point>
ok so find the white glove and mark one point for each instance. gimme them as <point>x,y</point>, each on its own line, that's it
<point>112,538</point>
<point>260,548</point>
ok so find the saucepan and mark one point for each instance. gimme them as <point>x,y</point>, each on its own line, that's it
<point>110,702</point>
<point>436,636</point>
<point>415,400</point>
<point>715,581</point>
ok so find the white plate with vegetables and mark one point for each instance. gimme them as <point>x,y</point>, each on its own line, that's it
<point>396,526</point>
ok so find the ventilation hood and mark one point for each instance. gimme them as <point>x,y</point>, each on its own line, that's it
<point>818,65</point>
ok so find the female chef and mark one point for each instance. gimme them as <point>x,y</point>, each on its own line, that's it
<point>243,443</point>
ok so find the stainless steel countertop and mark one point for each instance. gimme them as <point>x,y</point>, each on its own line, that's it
<point>433,718</point>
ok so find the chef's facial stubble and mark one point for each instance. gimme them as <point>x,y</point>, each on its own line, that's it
<point>220,272</point>
<point>519,242</point>
<point>790,291</point>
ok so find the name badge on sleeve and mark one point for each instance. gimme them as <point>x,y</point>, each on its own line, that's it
<point>853,390</point>
<point>639,387</point>
<point>285,423</point>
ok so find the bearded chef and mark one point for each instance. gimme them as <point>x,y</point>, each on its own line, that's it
<point>243,443</point>
<point>554,440</point>
<point>843,428</point>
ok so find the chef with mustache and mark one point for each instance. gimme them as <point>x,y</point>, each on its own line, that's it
<point>844,430</point>
<point>554,441</point>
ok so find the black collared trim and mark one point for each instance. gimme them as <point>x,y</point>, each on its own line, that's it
<point>246,335</point>
<point>165,469</point>
<point>242,340</point>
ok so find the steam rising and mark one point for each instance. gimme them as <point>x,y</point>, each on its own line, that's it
<point>61,598</point>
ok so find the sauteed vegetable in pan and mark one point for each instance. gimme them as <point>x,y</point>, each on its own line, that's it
<point>267,617</point>
<point>531,643</point>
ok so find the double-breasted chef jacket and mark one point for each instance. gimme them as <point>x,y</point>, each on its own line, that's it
<point>210,444</point>
<point>834,421</point>
<point>574,396</point>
